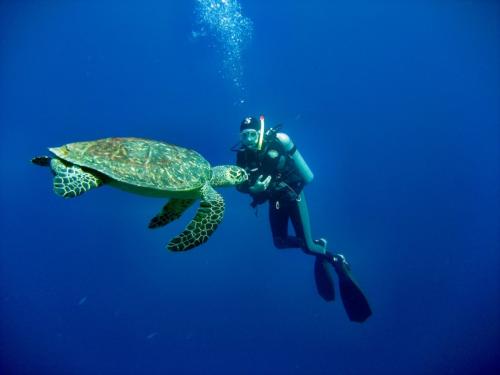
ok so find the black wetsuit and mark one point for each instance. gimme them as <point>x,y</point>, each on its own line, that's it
<point>287,202</point>
<point>285,195</point>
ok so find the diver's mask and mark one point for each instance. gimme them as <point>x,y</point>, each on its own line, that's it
<point>249,138</point>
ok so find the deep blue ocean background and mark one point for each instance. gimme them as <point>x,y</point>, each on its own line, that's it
<point>394,105</point>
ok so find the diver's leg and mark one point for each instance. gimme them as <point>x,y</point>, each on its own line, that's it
<point>355,303</point>
<point>278,219</point>
<point>323,278</point>
<point>299,214</point>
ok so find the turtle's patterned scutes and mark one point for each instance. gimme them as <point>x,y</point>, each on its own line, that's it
<point>140,162</point>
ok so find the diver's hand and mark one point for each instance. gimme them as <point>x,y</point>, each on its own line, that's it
<point>260,185</point>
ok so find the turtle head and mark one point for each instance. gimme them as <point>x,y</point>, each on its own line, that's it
<point>228,175</point>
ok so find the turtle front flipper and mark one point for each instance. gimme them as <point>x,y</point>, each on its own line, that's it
<point>207,218</point>
<point>170,212</point>
<point>71,180</point>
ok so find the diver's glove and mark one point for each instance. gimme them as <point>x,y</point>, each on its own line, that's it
<point>260,185</point>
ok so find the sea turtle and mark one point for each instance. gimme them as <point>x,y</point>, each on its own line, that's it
<point>150,168</point>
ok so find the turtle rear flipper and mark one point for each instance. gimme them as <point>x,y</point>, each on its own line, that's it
<point>206,220</point>
<point>170,212</point>
<point>71,180</point>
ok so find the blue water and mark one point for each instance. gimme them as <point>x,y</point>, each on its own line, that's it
<point>394,105</point>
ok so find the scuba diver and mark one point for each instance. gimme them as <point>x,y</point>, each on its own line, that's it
<point>277,174</point>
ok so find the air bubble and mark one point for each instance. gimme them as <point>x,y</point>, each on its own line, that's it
<point>225,22</point>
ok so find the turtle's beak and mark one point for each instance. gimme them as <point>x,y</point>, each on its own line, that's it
<point>237,175</point>
<point>240,176</point>
<point>243,176</point>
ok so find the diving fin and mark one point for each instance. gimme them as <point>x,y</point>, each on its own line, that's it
<point>323,278</point>
<point>355,303</point>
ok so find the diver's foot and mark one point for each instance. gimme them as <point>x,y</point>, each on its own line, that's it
<point>339,262</point>
<point>322,242</point>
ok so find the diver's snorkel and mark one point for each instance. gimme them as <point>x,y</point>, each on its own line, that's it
<point>261,134</point>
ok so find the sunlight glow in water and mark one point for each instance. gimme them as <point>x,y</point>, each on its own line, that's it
<point>223,20</point>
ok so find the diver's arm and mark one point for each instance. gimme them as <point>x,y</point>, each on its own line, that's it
<point>302,167</point>
<point>260,185</point>
<point>253,186</point>
<point>257,191</point>
<point>243,188</point>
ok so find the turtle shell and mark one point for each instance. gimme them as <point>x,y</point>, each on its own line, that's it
<point>140,162</point>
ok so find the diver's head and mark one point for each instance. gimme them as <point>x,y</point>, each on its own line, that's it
<point>250,129</point>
